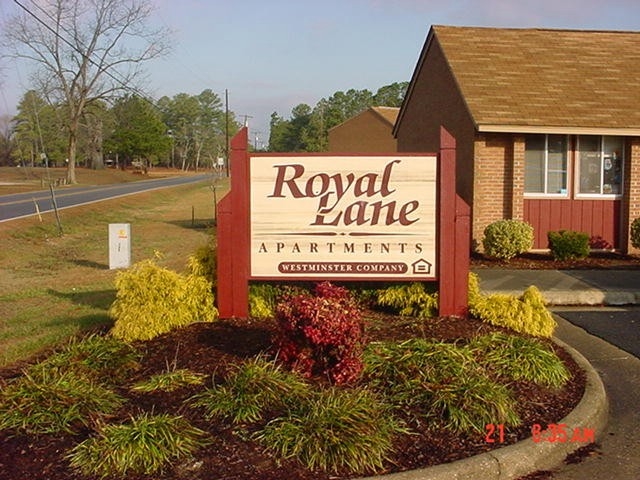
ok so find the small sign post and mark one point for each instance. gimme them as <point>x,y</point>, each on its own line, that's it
<point>119,245</point>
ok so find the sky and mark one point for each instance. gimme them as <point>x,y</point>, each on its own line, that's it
<point>271,55</point>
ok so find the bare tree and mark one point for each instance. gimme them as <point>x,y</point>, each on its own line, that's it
<point>84,51</point>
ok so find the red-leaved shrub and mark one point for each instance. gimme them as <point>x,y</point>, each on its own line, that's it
<point>321,334</point>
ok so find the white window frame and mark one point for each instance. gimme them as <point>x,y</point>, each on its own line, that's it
<point>545,194</point>
<point>598,196</point>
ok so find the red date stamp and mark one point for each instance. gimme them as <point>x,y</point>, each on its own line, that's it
<point>553,433</point>
<point>494,433</point>
<point>561,433</point>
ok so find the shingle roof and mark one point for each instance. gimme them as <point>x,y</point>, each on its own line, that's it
<point>388,114</point>
<point>545,78</point>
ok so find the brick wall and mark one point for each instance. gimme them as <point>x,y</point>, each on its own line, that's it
<point>517,181</point>
<point>499,181</point>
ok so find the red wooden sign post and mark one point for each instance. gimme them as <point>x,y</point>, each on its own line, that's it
<point>451,225</point>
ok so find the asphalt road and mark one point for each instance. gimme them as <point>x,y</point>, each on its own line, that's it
<point>619,326</point>
<point>24,204</point>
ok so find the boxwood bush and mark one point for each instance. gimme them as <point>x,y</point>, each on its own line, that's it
<point>568,245</point>
<point>506,239</point>
<point>635,233</point>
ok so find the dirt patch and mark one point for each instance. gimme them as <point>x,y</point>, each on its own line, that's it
<point>213,347</point>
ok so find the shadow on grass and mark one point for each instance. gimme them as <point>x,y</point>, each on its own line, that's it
<point>90,264</point>
<point>195,224</point>
<point>101,299</point>
<point>92,323</point>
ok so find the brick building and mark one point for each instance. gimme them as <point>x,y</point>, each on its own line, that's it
<point>547,124</point>
<point>370,131</point>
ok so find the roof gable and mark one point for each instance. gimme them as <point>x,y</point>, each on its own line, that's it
<point>386,115</point>
<point>544,78</point>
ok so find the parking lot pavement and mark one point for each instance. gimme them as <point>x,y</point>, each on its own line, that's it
<point>619,326</point>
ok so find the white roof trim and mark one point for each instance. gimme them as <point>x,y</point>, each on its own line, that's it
<point>568,130</point>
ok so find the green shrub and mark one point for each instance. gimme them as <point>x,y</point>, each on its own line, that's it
<point>506,239</point>
<point>568,245</point>
<point>251,389</point>
<point>635,233</point>
<point>525,314</point>
<point>439,380</point>
<point>51,400</point>
<point>335,429</point>
<point>521,358</point>
<point>152,300</point>
<point>145,445</point>
<point>409,299</point>
<point>321,334</point>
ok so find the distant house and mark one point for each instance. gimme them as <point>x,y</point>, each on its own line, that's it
<point>369,132</point>
<point>547,124</point>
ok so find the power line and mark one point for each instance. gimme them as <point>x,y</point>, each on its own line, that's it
<point>120,81</point>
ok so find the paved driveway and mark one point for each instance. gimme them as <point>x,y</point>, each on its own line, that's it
<point>619,326</point>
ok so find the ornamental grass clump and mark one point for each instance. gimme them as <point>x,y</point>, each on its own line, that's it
<point>143,446</point>
<point>72,388</point>
<point>250,390</point>
<point>521,358</point>
<point>321,333</point>
<point>334,429</point>
<point>169,381</point>
<point>52,400</point>
<point>152,300</point>
<point>103,358</point>
<point>438,381</point>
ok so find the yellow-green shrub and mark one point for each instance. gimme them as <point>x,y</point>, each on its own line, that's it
<point>203,262</point>
<point>409,299</point>
<point>525,314</point>
<point>152,300</point>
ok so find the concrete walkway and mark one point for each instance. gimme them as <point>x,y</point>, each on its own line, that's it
<point>566,287</point>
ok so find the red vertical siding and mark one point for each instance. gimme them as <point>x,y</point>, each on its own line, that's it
<point>599,218</point>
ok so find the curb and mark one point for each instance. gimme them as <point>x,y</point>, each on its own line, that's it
<point>526,456</point>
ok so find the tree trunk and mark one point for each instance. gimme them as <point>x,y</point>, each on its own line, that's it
<point>95,135</point>
<point>71,161</point>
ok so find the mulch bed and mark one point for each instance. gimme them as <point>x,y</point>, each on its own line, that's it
<point>211,348</point>
<point>544,261</point>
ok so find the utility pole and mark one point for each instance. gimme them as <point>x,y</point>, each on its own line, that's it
<point>255,141</point>
<point>246,119</point>
<point>226,128</point>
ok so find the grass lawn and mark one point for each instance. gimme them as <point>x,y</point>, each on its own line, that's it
<point>54,286</point>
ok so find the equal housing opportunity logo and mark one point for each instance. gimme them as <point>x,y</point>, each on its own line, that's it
<point>351,216</point>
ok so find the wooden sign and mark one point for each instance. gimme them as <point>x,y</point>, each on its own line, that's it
<point>328,217</point>
<point>360,217</point>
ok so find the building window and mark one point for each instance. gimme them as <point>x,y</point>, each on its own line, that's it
<point>545,165</point>
<point>600,165</point>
